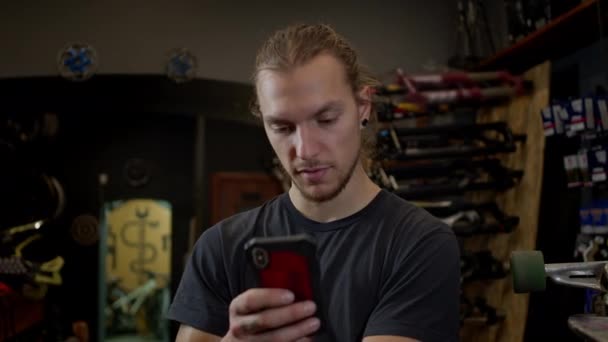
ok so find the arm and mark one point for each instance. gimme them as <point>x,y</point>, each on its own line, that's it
<point>261,315</point>
<point>205,309</point>
<point>187,333</point>
<point>202,298</point>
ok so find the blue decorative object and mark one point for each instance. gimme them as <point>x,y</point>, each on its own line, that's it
<point>181,65</point>
<point>77,62</point>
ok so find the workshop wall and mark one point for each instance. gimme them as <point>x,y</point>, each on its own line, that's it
<point>133,36</point>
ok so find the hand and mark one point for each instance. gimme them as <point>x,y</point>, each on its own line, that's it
<point>270,315</point>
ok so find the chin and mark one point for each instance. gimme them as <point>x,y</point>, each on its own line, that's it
<point>326,190</point>
<point>320,192</point>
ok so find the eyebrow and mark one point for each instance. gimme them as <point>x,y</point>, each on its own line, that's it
<point>332,105</point>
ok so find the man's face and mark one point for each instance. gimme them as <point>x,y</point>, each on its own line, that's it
<point>312,121</point>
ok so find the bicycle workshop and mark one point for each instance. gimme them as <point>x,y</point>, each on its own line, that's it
<point>304,171</point>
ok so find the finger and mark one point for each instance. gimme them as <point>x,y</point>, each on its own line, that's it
<point>254,300</point>
<point>293,332</point>
<point>272,318</point>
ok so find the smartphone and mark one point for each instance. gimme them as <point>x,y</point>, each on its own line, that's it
<point>290,262</point>
<point>286,262</point>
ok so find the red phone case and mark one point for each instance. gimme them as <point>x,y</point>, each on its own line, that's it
<point>287,262</point>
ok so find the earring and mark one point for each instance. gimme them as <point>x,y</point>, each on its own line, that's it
<point>364,122</point>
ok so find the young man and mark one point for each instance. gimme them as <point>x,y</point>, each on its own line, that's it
<point>389,270</point>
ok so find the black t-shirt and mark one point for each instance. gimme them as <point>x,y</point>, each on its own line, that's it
<point>389,269</point>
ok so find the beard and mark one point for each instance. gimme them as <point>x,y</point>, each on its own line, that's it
<point>334,190</point>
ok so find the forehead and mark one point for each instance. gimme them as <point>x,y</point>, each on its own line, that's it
<point>320,80</point>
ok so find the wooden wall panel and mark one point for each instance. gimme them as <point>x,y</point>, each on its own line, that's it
<point>234,192</point>
<point>523,116</point>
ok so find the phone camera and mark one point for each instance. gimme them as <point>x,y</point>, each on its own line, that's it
<point>260,257</point>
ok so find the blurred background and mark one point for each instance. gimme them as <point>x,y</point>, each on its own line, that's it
<point>125,132</point>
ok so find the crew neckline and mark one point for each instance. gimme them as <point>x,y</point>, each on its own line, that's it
<point>312,225</point>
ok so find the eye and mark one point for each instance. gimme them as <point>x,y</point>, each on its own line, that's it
<point>326,121</point>
<point>281,129</point>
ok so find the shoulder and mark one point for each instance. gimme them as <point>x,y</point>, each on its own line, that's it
<point>409,218</point>
<point>412,229</point>
<point>219,252</point>
<point>235,230</point>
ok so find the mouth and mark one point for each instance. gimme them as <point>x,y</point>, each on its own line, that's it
<point>313,174</point>
<point>312,169</point>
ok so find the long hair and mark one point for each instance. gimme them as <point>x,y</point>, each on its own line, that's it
<point>297,44</point>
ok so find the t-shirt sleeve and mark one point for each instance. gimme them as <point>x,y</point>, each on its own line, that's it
<point>420,298</point>
<point>202,298</point>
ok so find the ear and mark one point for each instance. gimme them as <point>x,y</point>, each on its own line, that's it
<point>364,103</point>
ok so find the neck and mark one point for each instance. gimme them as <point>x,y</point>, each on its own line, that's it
<point>358,193</point>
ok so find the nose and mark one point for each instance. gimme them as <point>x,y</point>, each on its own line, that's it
<point>306,142</point>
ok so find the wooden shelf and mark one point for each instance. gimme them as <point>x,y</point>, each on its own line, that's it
<point>564,35</point>
<point>108,93</point>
